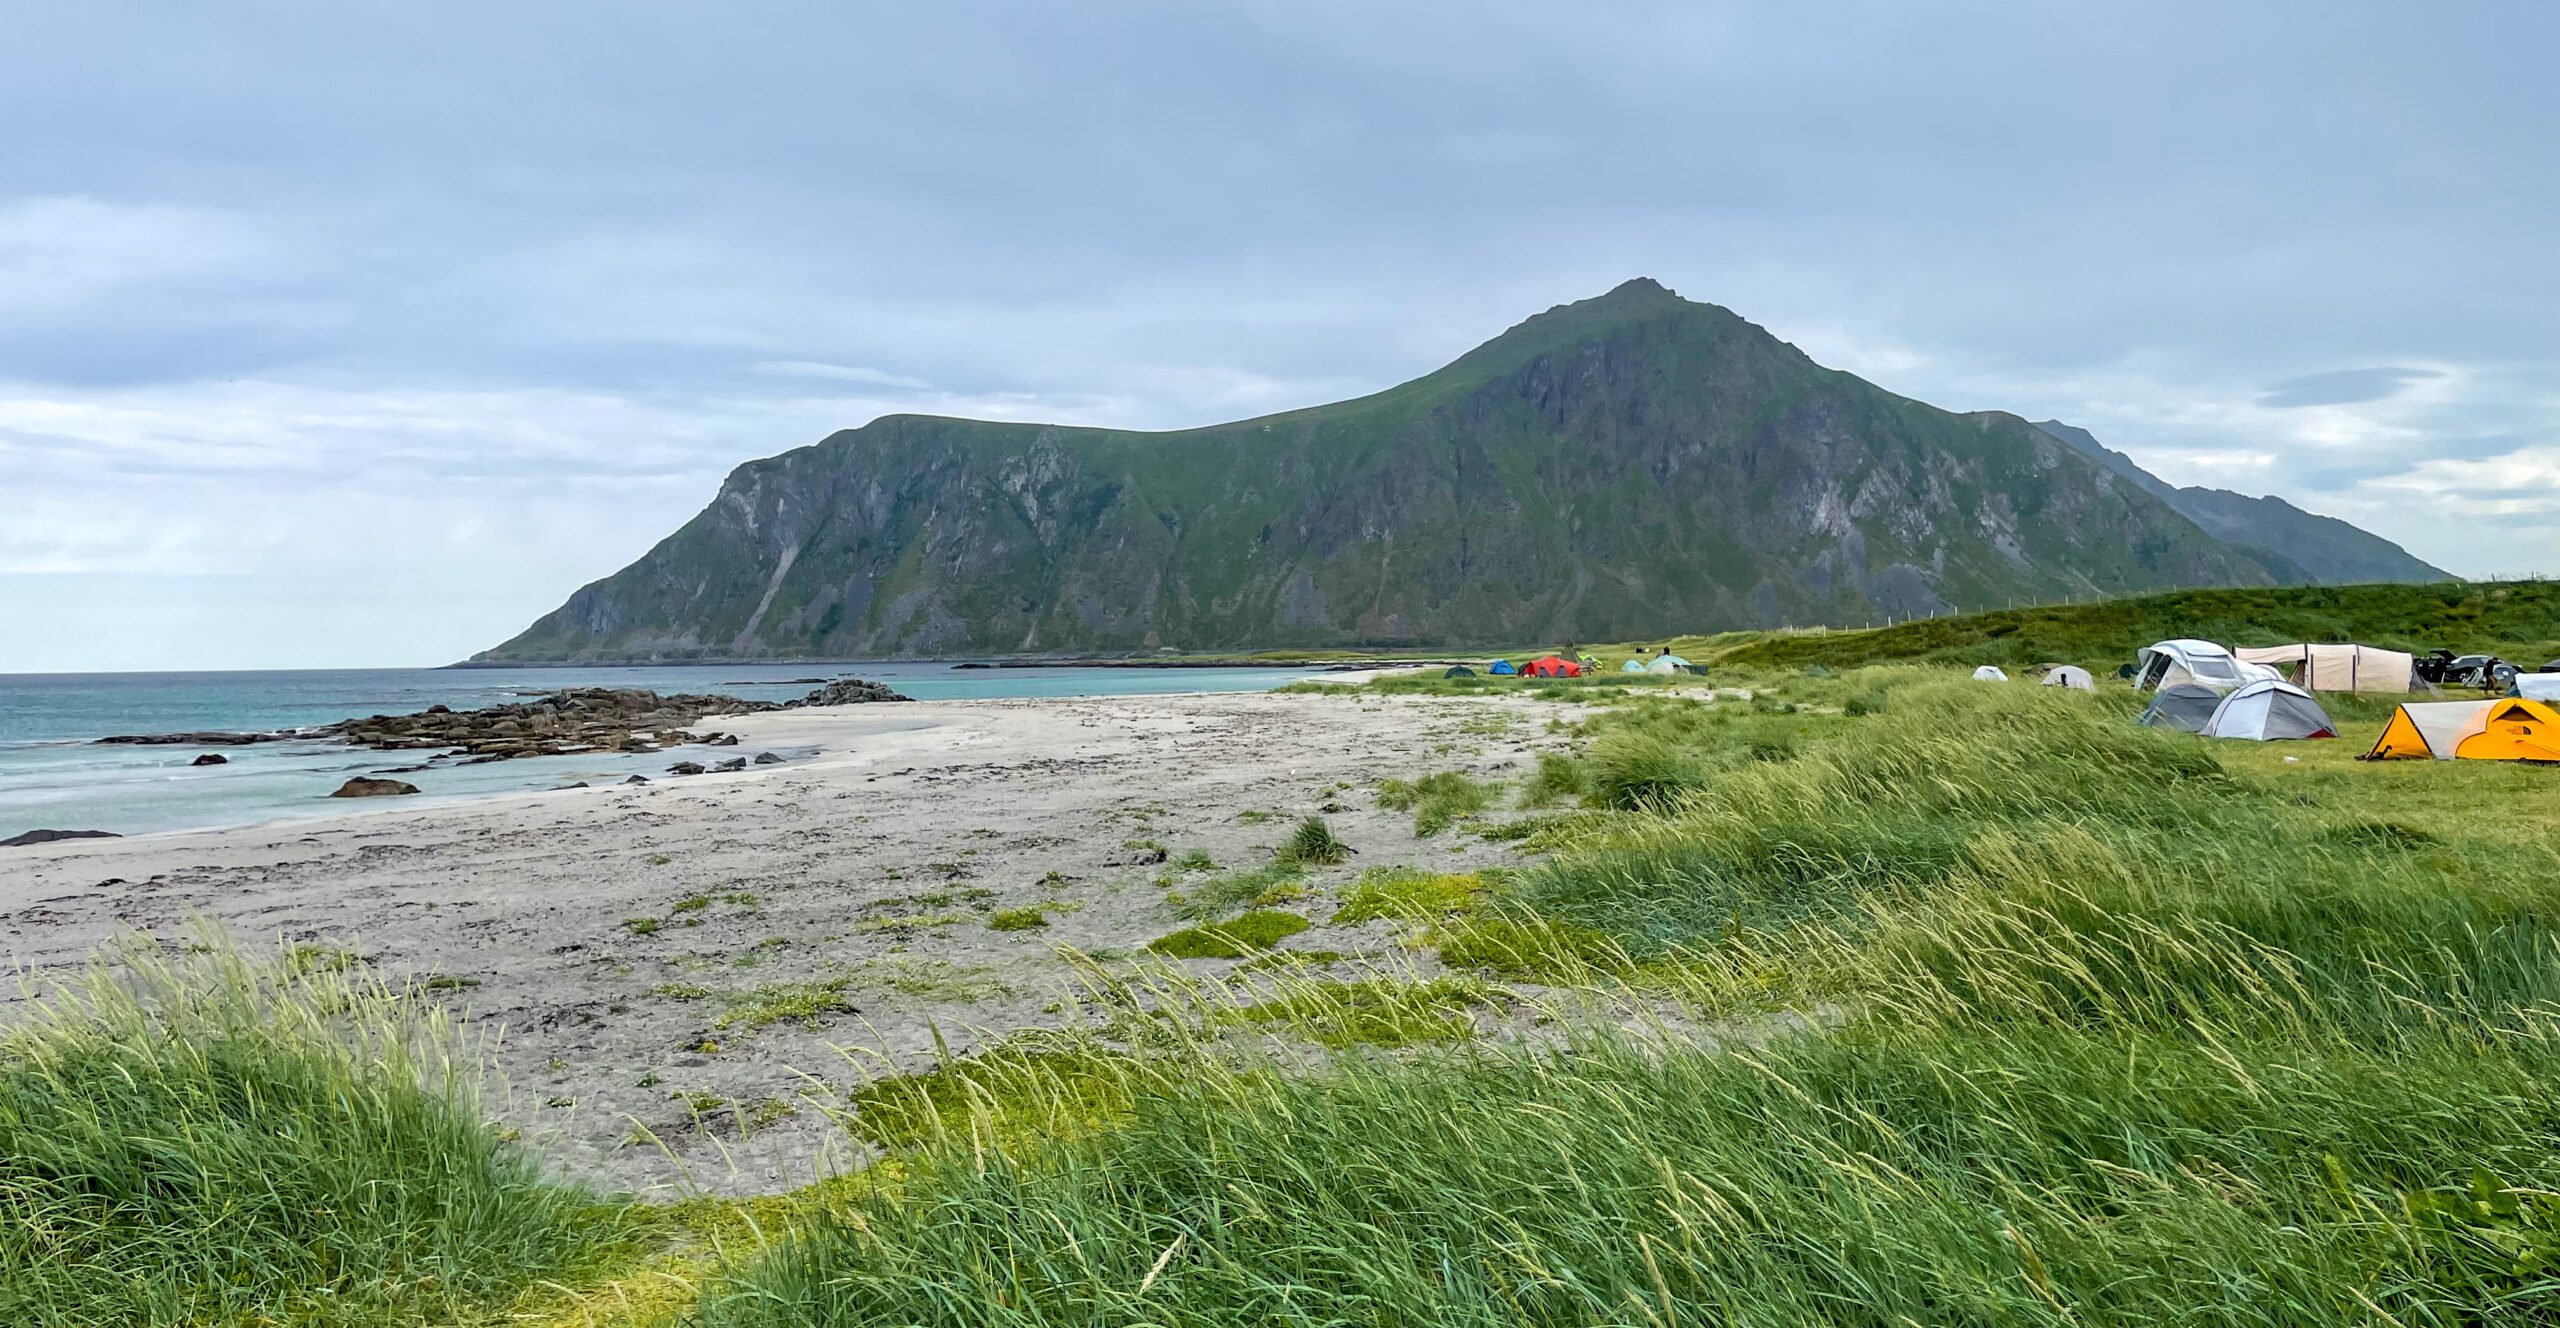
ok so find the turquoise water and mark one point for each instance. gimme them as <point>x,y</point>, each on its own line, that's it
<point>53,775</point>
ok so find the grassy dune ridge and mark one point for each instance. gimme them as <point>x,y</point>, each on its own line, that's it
<point>1931,1002</point>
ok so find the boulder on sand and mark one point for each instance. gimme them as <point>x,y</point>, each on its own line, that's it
<point>685,768</point>
<point>848,691</point>
<point>734,763</point>
<point>365,787</point>
<point>211,758</point>
<point>637,779</point>
<point>49,836</point>
<point>767,758</point>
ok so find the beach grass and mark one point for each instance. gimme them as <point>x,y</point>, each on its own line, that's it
<point>201,1139</point>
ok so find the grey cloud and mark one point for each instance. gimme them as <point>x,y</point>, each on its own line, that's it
<point>2340,387</point>
<point>744,227</point>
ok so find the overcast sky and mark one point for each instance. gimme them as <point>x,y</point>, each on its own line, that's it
<point>343,334</point>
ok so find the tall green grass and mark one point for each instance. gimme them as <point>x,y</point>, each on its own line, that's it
<point>1992,1009</point>
<point>204,1140</point>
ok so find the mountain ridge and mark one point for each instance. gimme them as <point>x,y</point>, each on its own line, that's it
<point>1624,466</point>
<point>2296,544</point>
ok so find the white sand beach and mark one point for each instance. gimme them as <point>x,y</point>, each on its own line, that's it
<point>599,934</point>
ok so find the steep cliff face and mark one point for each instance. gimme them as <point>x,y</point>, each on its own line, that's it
<point>2296,545</point>
<point>1626,466</point>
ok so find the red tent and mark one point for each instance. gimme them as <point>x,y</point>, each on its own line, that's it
<point>1553,666</point>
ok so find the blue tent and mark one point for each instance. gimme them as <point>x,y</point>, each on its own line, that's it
<point>1502,667</point>
<point>1632,666</point>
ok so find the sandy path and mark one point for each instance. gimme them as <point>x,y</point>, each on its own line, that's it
<point>873,864</point>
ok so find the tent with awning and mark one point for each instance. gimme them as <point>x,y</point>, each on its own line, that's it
<point>2335,668</point>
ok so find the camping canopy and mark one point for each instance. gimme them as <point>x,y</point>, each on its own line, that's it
<point>2169,663</point>
<point>2268,710</point>
<point>1459,671</point>
<point>1632,666</point>
<point>1553,666</point>
<point>2183,707</point>
<point>2335,668</point>
<point>1989,673</point>
<point>1666,662</point>
<point>2423,729</point>
<point>1502,667</point>
<point>2071,676</point>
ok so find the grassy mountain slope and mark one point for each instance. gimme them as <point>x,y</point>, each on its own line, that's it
<point>1625,465</point>
<point>2519,620</point>
<point>2295,544</point>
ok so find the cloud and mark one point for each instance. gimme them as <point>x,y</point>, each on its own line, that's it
<point>2340,387</point>
<point>458,306</point>
<point>846,373</point>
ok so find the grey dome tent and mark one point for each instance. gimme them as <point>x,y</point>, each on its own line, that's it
<point>2183,707</point>
<point>2267,710</point>
<point>1990,673</point>
<point>2071,676</point>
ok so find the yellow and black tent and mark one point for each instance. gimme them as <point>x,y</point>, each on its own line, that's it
<point>2508,730</point>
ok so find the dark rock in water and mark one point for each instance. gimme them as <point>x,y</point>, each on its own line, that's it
<point>579,783</point>
<point>211,758</point>
<point>362,787</point>
<point>733,763</point>
<point>721,740</point>
<point>767,758</point>
<point>685,768</point>
<point>49,836</point>
<point>208,739</point>
<point>637,779</point>
<point>565,723</point>
<point>400,770</point>
<point>848,691</point>
<point>437,709</point>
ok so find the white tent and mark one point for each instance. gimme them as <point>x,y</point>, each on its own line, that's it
<point>2266,710</point>
<point>2170,663</point>
<point>2335,668</point>
<point>1666,663</point>
<point>2538,686</point>
<point>2071,676</point>
<point>1989,673</point>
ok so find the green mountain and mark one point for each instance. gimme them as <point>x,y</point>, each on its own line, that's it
<point>2296,545</point>
<point>1626,466</point>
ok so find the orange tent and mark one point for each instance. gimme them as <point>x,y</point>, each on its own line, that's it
<point>2509,730</point>
<point>2515,731</point>
<point>1553,666</point>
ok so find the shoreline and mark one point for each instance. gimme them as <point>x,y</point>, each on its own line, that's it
<point>628,951</point>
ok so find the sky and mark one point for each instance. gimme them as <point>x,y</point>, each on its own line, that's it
<point>359,335</point>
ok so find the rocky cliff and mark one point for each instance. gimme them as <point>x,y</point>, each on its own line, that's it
<point>1627,466</point>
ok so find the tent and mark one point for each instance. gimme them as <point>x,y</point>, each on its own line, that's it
<point>2335,668</point>
<point>1459,671</point>
<point>2470,731</point>
<point>2170,663</point>
<point>2515,731</point>
<point>2071,676</point>
<point>1553,666</point>
<point>2423,729</point>
<point>2182,706</point>
<point>1666,662</point>
<point>1502,668</point>
<point>2538,686</point>
<point>2266,710</point>
<point>1989,673</point>
<point>1632,666</point>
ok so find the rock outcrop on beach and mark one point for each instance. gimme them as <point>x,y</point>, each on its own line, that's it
<point>363,786</point>
<point>211,758</point>
<point>564,723</point>
<point>32,837</point>
<point>1625,467</point>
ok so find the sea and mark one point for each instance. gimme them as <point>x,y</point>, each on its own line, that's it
<point>55,775</point>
